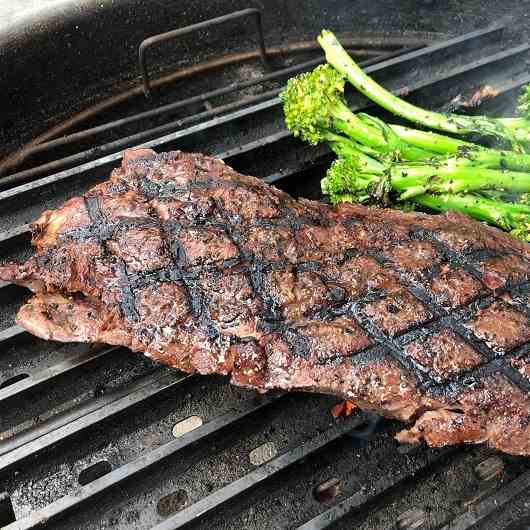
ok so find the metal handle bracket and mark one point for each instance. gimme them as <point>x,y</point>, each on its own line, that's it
<point>169,35</point>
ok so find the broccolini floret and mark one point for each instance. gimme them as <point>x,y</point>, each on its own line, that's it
<point>513,135</point>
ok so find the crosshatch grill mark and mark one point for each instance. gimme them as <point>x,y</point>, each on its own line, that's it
<point>271,320</point>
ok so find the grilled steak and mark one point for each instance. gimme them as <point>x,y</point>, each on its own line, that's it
<point>420,318</point>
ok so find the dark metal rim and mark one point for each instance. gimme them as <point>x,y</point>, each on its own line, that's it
<point>387,64</point>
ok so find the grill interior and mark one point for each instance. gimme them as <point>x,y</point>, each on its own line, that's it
<point>90,436</point>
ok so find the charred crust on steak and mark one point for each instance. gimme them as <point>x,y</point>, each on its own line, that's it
<point>420,318</point>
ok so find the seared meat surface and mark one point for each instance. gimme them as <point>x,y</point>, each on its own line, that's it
<point>420,318</point>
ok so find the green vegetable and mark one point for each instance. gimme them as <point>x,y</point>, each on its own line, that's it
<point>466,153</point>
<point>475,154</point>
<point>370,180</point>
<point>383,164</point>
<point>315,111</point>
<point>356,177</point>
<point>516,134</point>
<point>514,218</point>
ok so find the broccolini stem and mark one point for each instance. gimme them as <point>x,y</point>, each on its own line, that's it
<point>469,154</point>
<point>344,147</point>
<point>430,141</point>
<point>346,122</point>
<point>515,123</point>
<point>356,170</point>
<point>413,180</point>
<point>513,217</point>
<point>337,56</point>
<point>520,128</point>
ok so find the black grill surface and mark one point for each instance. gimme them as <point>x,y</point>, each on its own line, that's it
<point>90,435</point>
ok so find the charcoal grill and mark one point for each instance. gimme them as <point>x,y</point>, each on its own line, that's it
<point>92,436</point>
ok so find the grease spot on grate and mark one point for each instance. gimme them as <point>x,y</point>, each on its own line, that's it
<point>13,380</point>
<point>490,468</point>
<point>327,491</point>
<point>187,425</point>
<point>412,519</point>
<point>263,453</point>
<point>172,503</point>
<point>94,472</point>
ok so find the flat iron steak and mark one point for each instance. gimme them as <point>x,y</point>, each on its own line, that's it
<point>416,317</point>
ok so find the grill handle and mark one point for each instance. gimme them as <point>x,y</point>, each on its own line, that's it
<point>173,34</point>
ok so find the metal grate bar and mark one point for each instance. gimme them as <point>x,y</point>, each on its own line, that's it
<point>490,62</point>
<point>286,173</point>
<point>212,502</point>
<point>49,374</point>
<point>170,107</point>
<point>31,442</point>
<point>140,465</point>
<point>383,485</point>
<point>12,332</point>
<point>12,233</point>
<point>404,62</point>
<point>490,505</point>
<point>166,109</point>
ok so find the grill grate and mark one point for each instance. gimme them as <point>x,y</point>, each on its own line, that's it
<point>268,151</point>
